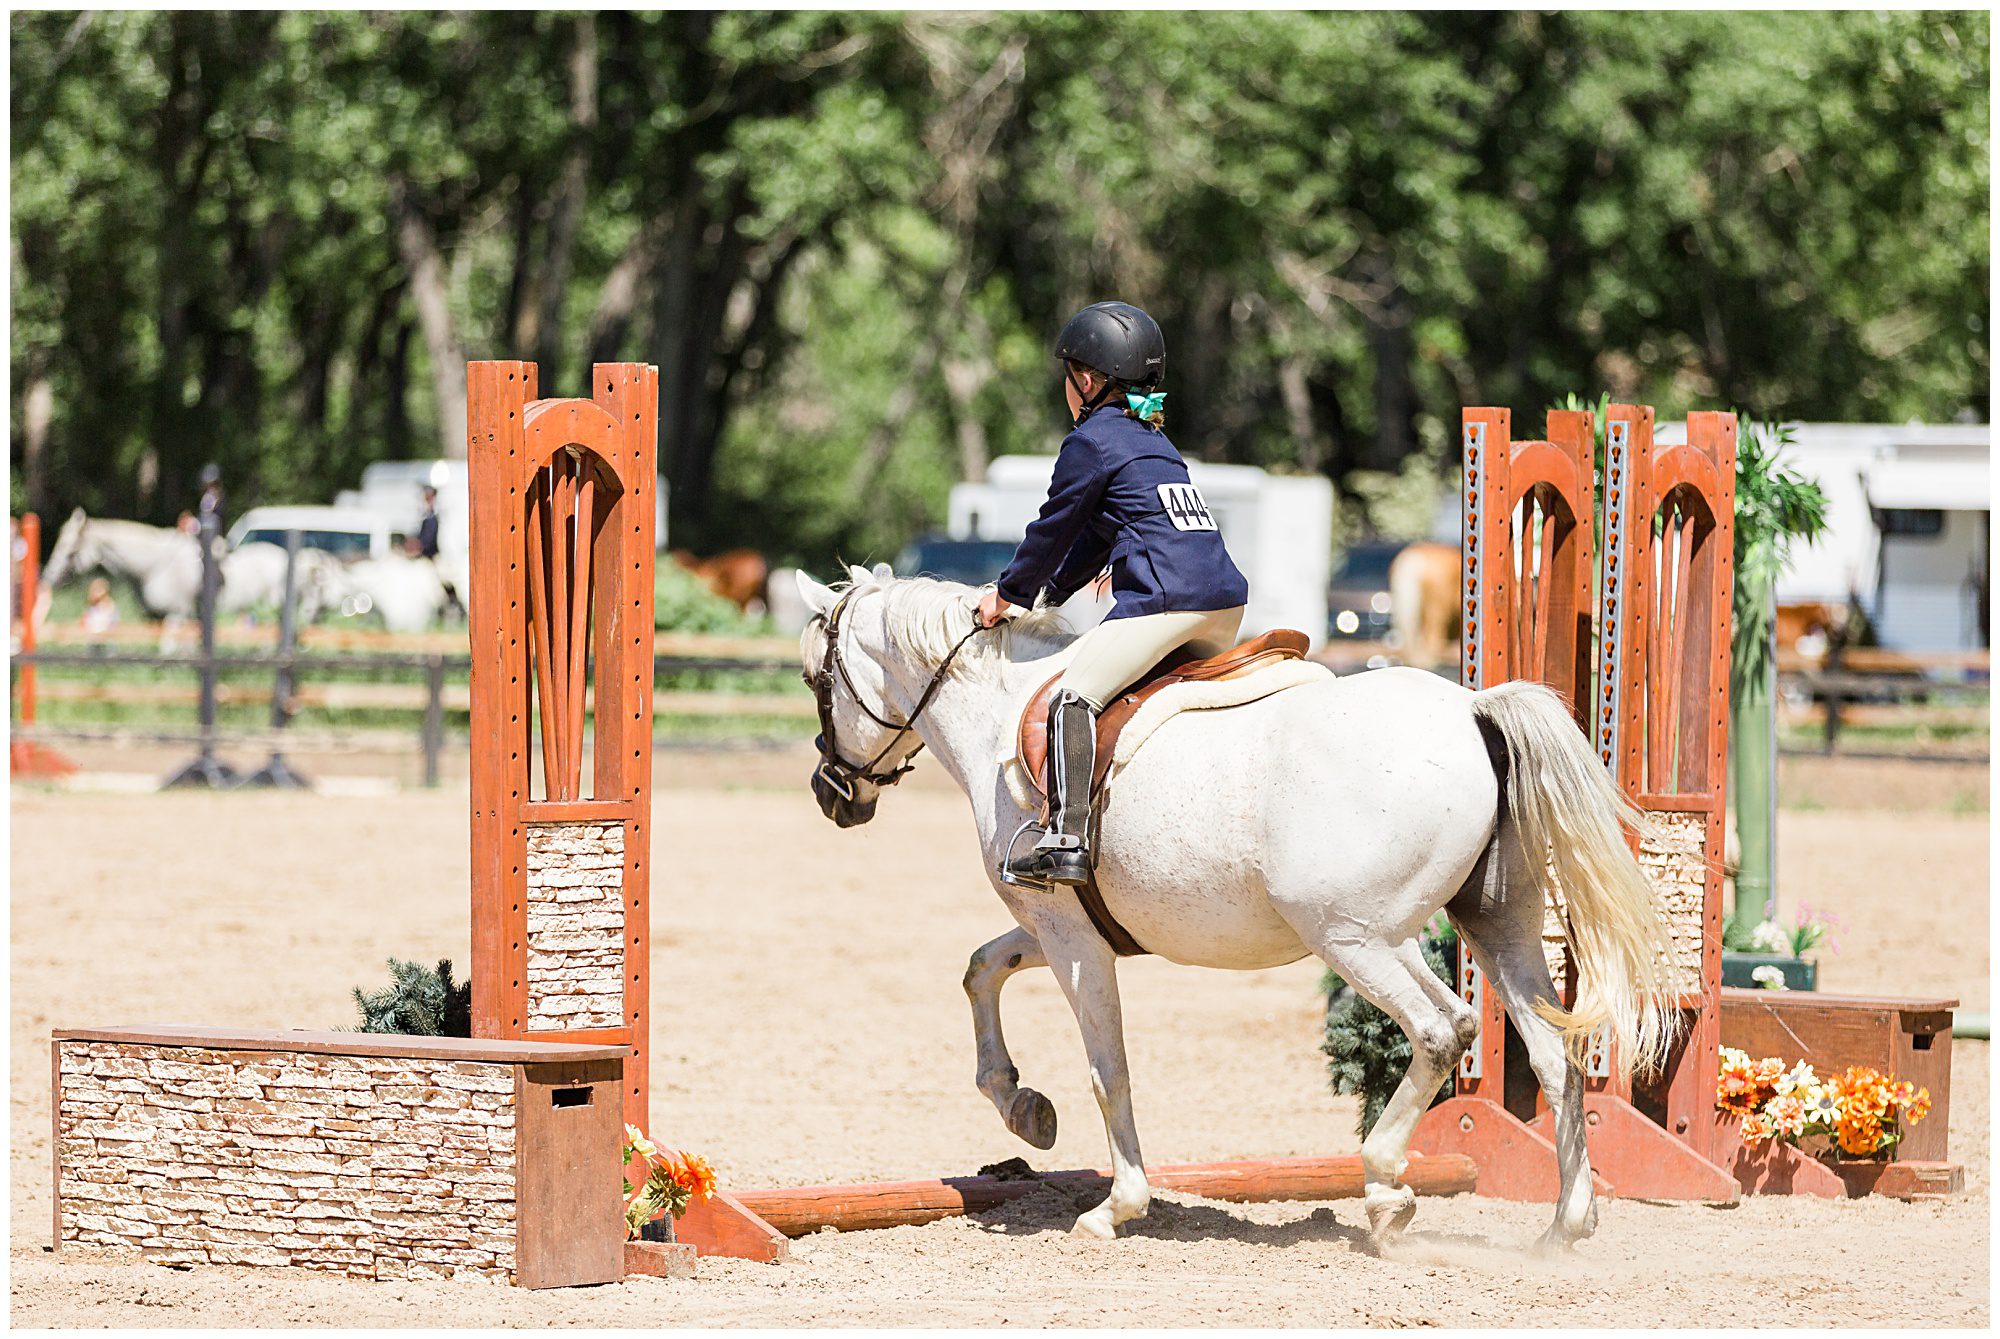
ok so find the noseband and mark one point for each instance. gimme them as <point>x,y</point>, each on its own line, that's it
<point>838,773</point>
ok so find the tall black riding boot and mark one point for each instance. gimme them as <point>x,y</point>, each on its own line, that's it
<point>1063,853</point>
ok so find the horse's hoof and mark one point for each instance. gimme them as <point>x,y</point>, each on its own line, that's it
<point>1094,1226</point>
<point>1389,1212</point>
<point>1561,1237</point>
<point>1032,1117</point>
<point>1552,1245</point>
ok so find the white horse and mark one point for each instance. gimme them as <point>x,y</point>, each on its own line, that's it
<point>1332,819</point>
<point>165,565</point>
<point>409,593</point>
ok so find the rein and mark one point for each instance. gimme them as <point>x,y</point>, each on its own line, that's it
<point>835,770</point>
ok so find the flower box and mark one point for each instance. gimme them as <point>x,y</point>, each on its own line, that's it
<point>1800,973</point>
<point>1907,1037</point>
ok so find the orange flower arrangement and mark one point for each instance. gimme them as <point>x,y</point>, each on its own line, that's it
<point>1862,1111</point>
<point>669,1182</point>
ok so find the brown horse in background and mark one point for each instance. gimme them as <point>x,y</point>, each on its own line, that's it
<point>1423,602</point>
<point>737,575</point>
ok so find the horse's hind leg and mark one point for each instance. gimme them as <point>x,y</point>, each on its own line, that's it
<point>1504,927</point>
<point>1027,1113</point>
<point>1396,980</point>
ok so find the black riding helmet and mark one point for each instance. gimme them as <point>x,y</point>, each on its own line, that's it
<point>1117,339</point>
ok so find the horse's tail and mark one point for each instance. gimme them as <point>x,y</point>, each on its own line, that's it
<point>1567,812</point>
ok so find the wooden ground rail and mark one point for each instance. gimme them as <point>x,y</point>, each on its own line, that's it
<point>852,1208</point>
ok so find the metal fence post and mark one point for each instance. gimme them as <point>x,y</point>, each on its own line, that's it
<point>204,769</point>
<point>277,772</point>
<point>433,735</point>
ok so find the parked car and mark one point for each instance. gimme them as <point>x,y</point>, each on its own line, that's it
<point>1357,599</point>
<point>344,532</point>
<point>972,561</point>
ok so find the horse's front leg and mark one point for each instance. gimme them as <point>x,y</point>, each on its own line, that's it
<point>1087,970</point>
<point>1027,1113</point>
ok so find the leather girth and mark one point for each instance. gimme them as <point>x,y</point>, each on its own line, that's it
<point>1107,926</point>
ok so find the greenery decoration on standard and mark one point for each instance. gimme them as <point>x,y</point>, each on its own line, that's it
<point>1775,506</point>
<point>420,1001</point>
<point>1367,1054</point>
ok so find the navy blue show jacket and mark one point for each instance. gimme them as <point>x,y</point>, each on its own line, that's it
<point>1121,495</point>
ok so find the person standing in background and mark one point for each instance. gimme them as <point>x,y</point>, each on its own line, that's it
<point>424,544</point>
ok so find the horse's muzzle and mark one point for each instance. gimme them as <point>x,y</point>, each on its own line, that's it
<point>845,812</point>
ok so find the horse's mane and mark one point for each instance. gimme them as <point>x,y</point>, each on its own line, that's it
<point>927,617</point>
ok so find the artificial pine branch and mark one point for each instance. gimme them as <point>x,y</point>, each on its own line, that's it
<point>419,1002</point>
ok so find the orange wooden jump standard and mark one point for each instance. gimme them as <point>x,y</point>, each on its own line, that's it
<point>28,757</point>
<point>1659,718</point>
<point>562,582</point>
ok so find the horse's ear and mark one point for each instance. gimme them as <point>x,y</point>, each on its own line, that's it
<point>858,574</point>
<point>818,598</point>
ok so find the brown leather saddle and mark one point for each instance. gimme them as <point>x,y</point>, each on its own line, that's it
<point>1179,667</point>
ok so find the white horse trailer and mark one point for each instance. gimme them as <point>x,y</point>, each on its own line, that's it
<point>1279,529</point>
<point>1909,528</point>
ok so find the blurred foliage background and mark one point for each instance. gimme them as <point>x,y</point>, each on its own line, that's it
<point>271,239</point>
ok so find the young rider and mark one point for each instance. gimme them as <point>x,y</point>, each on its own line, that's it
<point>1121,494</point>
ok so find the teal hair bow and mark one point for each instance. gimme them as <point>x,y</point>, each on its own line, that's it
<point>1145,406</point>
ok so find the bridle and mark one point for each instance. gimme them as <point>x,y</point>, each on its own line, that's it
<point>838,773</point>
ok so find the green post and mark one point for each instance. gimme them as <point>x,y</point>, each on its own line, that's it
<point>1753,744</point>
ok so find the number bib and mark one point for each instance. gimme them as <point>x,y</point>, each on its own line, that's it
<point>1185,508</point>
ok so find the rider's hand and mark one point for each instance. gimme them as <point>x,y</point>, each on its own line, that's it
<point>992,608</point>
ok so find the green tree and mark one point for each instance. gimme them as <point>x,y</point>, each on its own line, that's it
<point>271,239</point>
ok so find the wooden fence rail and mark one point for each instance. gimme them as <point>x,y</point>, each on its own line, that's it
<point>442,662</point>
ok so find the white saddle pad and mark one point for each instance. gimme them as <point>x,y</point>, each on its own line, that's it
<point>1163,706</point>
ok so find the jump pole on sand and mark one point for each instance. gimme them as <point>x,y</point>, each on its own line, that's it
<point>903,1203</point>
<point>1525,596</point>
<point>562,585</point>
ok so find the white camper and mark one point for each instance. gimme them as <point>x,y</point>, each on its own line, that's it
<point>1909,527</point>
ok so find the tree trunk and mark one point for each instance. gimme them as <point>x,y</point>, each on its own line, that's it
<point>964,379</point>
<point>1297,395</point>
<point>570,199</point>
<point>619,297</point>
<point>430,291</point>
<point>38,402</point>
<point>1388,328</point>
